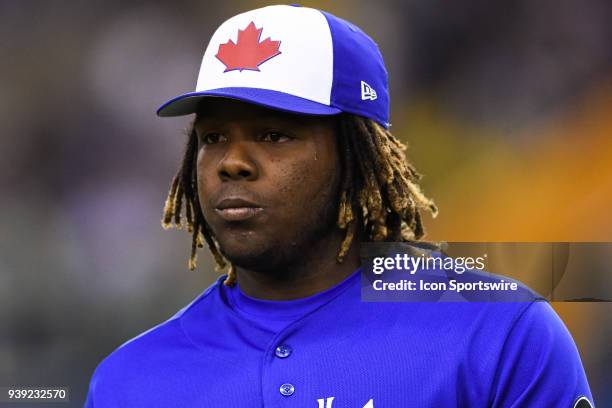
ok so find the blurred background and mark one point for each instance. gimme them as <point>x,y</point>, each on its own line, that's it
<point>506,107</point>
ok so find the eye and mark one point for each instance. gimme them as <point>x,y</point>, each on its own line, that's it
<point>274,136</point>
<point>212,138</point>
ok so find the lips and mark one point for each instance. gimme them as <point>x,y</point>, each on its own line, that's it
<point>237,209</point>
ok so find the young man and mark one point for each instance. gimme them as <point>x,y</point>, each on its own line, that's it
<point>289,166</point>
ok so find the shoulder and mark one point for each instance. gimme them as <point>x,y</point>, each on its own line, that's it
<point>521,353</point>
<point>518,347</point>
<point>539,364</point>
<point>149,351</point>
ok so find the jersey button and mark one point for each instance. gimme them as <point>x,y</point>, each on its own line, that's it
<point>283,351</point>
<point>287,389</point>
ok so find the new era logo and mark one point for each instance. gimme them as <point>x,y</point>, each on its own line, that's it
<point>367,92</point>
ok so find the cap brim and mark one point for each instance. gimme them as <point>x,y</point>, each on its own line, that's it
<point>188,103</point>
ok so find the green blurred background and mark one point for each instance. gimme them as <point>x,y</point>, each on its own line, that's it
<point>506,107</point>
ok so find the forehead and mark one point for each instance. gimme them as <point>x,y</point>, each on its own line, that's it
<point>217,111</point>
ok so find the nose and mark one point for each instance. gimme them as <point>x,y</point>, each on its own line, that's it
<point>237,164</point>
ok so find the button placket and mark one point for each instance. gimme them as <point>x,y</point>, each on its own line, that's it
<point>284,351</point>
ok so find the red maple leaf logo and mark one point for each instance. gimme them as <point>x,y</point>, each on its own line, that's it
<point>248,52</point>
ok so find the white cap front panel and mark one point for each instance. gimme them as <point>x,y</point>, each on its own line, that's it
<point>286,49</point>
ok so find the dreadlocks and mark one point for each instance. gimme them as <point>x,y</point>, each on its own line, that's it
<point>380,197</point>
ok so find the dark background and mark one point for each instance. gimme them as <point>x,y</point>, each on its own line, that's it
<point>506,107</point>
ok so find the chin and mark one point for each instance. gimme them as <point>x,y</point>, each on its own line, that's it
<point>247,252</point>
<point>254,261</point>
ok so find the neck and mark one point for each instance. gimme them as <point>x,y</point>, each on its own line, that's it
<point>314,272</point>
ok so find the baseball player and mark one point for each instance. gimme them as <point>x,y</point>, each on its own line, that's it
<point>289,166</point>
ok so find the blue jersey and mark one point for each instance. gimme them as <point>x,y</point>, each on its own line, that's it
<point>331,350</point>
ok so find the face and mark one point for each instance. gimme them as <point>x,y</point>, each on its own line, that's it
<point>267,181</point>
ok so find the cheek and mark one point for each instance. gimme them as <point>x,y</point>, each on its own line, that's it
<point>292,177</point>
<point>307,185</point>
<point>205,183</point>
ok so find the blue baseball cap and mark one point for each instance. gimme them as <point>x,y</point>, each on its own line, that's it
<point>295,59</point>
